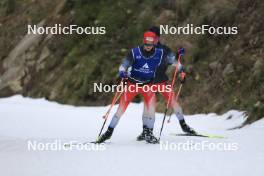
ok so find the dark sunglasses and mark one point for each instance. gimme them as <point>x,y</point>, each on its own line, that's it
<point>147,44</point>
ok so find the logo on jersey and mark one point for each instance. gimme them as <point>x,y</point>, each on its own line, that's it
<point>144,69</point>
<point>145,66</point>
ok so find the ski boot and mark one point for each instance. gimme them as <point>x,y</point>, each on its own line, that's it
<point>186,128</point>
<point>142,136</point>
<point>107,135</point>
<point>149,137</point>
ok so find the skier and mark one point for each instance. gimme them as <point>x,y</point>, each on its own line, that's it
<point>143,61</point>
<point>161,78</point>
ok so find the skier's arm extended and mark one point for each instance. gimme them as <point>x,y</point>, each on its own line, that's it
<point>171,60</point>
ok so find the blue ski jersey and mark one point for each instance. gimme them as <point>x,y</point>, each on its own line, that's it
<point>144,68</point>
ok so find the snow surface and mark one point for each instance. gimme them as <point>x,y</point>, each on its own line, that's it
<point>24,119</point>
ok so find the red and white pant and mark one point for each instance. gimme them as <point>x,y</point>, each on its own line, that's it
<point>173,104</point>
<point>128,95</point>
<point>148,96</point>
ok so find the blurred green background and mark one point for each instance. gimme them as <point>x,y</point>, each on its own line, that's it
<point>223,71</point>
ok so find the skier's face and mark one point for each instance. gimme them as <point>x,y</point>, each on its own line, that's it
<point>148,47</point>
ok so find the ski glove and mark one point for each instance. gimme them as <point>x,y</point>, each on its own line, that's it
<point>182,77</point>
<point>180,68</point>
<point>123,74</point>
<point>181,51</point>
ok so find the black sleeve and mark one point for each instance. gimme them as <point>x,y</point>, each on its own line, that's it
<point>127,61</point>
<point>169,55</point>
<point>130,57</point>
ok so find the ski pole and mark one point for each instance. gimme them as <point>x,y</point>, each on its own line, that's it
<point>177,97</point>
<point>168,103</point>
<point>115,99</point>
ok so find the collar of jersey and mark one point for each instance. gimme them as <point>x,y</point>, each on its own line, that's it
<point>149,56</point>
